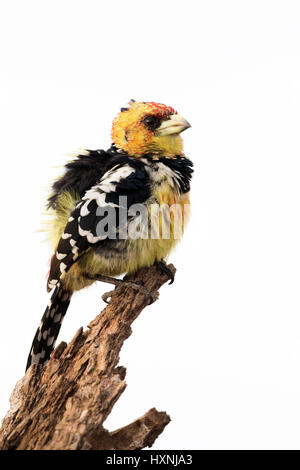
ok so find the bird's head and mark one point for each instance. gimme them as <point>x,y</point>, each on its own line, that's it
<point>149,128</point>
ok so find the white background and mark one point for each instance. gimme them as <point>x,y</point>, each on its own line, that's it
<point>220,351</point>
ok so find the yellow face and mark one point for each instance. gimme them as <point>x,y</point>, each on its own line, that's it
<point>149,128</point>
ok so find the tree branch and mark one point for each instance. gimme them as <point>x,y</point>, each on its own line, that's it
<point>63,404</point>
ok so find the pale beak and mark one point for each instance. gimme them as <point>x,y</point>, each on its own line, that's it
<point>174,125</point>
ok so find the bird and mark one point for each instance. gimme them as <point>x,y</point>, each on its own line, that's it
<point>145,166</point>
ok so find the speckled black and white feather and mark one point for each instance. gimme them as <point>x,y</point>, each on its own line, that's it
<point>127,178</point>
<point>100,178</point>
<point>47,332</point>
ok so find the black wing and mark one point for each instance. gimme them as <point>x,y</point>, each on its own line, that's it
<point>127,178</point>
<point>82,173</point>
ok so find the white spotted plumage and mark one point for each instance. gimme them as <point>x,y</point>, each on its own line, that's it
<point>97,193</point>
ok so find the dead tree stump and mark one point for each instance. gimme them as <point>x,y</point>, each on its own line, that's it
<point>63,404</point>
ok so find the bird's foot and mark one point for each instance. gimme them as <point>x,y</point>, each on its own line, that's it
<point>134,285</point>
<point>122,284</point>
<point>106,296</point>
<point>162,265</point>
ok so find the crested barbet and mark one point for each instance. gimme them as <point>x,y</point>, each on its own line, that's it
<point>145,165</point>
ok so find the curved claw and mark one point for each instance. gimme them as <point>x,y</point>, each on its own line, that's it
<point>107,295</point>
<point>135,285</point>
<point>139,286</point>
<point>165,269</point>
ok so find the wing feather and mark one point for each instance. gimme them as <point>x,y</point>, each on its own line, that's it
<point>128,179</point>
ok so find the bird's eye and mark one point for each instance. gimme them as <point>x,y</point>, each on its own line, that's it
<point>152,122</point>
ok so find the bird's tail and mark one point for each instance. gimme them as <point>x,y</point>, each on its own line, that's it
<point>47,333</point>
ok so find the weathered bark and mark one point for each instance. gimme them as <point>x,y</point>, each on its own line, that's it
<point>64,404</point>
